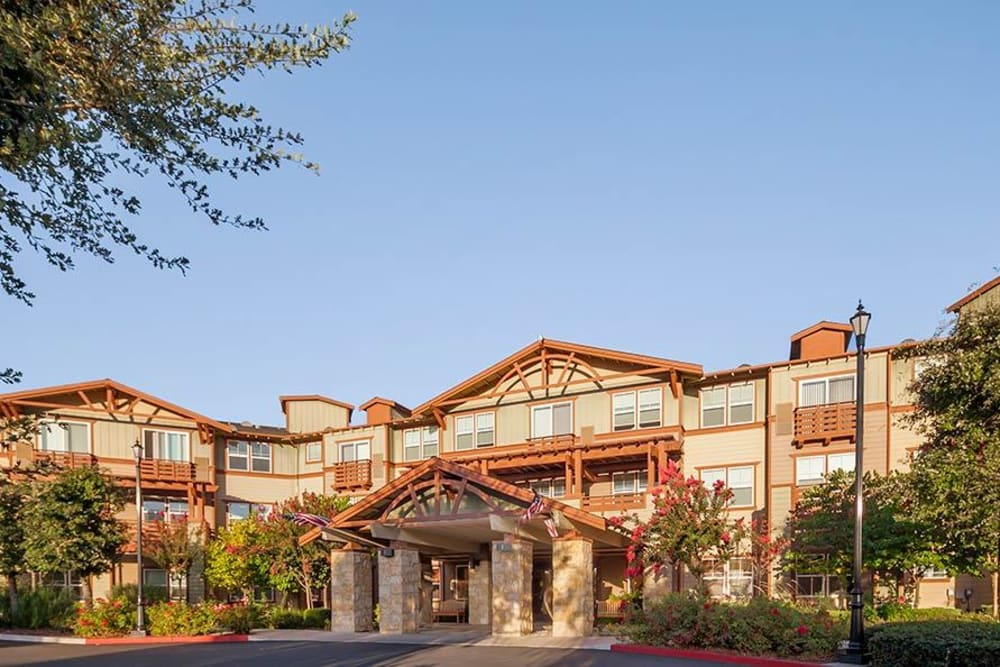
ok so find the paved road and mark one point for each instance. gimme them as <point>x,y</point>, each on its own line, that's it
<point>301,654</point>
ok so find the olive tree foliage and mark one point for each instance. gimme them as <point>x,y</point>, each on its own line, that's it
<point>96,94</point>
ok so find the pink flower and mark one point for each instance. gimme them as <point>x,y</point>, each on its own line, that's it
<point>726,537</point>
<point>802,630</point>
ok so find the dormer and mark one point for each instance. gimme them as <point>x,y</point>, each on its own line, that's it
<point>380,410</point>
<point>304,414</point>
<point>821,340</point>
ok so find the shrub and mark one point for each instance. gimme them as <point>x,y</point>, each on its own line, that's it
<point>895,612</point>
<point>240,619</point>
<point>106,618</point>
<point>952,643</point>
<point>315,619</point>
<point>169,619</point>
<point>296,619</point>
<point>757,627</point>
<point>130,593</point>
<point>44,608</point>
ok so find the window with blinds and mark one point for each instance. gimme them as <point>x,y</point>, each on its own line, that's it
<point>713,407</point>
<point>551,420</point>
<point>727,404</point>
<point>64,436</point>
<point>825,391</point>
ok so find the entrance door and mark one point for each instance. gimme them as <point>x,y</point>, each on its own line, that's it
<point>541,591</point>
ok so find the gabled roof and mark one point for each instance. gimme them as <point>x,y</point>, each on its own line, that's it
<point>313,397</point>
<point>824,325</point>
<point>547,345</point>
<point>974,294</point>
<point>378,400</point>
<point>25,398</point>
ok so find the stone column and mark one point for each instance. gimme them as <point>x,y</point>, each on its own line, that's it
<point>572,587</point>
<point>480,603</point>
<point>350,590</point>
<point>512,613</point>
<point>399,591</point>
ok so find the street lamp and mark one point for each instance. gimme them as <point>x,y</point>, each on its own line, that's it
<point>853,650</point>
<point>140,624</point>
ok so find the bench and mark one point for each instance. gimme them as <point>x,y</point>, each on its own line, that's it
<point>452,609</point>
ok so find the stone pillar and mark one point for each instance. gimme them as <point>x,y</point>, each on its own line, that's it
<point>572,587</point>
<point>480,603</point>
<point>399,591</point>
<point>512,613</point>
<point>351,590</point>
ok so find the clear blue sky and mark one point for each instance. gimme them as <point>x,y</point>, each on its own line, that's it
<point>696,182</point>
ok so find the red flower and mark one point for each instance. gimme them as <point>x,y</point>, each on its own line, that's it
<point>774,611</point>
<point>802,630</point>
<point>726,537</point>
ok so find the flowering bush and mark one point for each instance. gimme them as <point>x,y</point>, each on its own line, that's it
<point>241,618</point>
<point>106,618</point>
<point>168,619</point>
<point>757,627</point>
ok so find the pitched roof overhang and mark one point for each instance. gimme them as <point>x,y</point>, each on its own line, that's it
<point>974,294</point>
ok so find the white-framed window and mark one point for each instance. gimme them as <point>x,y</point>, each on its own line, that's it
<point>623,411</point>
<point>739,479</point>
<point>314,452</point>
<point>69,580</point>
<point>64,436</point>
<point>166,445</point>
<point>727,404</point>
<point>826,391</point>
<point>355,451</point>
<point>811,580</point>
<point>730,579</point>
<point>164,509</point>
<point>553,488</point>
<point>650,407</point>
<point>237,511</point>
<point>420,443</point>
<point>475,430</point>
<point>175,585</point>
<point>623,407</point>
<point>815,469</point>
<point>935,573</point>
<point>632,481</point>
<point>260,457</point>
<point>243,455</point>
<point>551,420</point>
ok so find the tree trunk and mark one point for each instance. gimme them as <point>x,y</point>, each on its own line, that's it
<point>88,590</point>
<point>12,592</point>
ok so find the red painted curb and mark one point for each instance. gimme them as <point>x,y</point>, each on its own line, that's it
<point>203,639</point>
<point>754,661</point>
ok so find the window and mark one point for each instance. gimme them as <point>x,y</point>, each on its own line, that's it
<point>738,479</point>
<point>811,579</point>
<point>633,481</point>
<point>355,451</point>
<point>237,455</point>
<point>240,511</point>
<point>475,430</point>
<point>623,408</point>
<point>420,443</point>
<point>165,445</point>
<point>553,488</point>
<point>733,404</point>
<point>826,391</point>
<point>256,455</point>
<point>63,436</point>
<point>175,585</point>
<point>815,469</point>
<point>260,456</point>
<point>731,579</point>
<point>650,407</point>
<point>71,581</point>
<point>550,420</point>
<point>314,452</point>
<point>935,573</point>
<point>164,509</point>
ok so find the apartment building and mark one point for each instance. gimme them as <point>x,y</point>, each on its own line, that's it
<point>448,490</point>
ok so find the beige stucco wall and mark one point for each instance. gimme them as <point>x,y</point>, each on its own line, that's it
<point>307,416</point>
<point>728,448</point>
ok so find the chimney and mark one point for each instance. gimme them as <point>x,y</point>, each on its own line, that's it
<point>821,340</point>
<point>380,410</point>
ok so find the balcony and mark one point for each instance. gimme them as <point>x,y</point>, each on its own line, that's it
<point>352,475</point>
<point>167,471</point>
<point>823,423</point>
<point>150,531</point>
<point>614,503</point>
<point>63,459</point>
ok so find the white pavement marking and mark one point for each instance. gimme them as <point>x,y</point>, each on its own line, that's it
<point>40,639</point>
<point>437,638</point>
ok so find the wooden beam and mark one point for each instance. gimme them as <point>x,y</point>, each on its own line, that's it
<point>437,493</point>
<point>416,503</point>
<point>675,386</point>
<point>568,362</point>
<point>413,536</point>
<point>439,418</point>
<point>524,380</point>
<point>578,472</point>
<point>86,401</point>
<point>458,496</point>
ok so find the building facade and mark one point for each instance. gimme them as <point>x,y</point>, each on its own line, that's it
<point>446,493</point>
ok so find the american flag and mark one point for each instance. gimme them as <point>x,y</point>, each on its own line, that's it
<point>550,526</point>
<point>306,519</point>
<point>536,506</point>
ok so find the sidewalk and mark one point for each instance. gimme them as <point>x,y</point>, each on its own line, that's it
<point>472,636</point>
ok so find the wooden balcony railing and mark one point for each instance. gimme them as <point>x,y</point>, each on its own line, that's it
<point>823,423</point>
<point>150,530</point>
<point>63,459</point>
<point>619,501</point>
<point>352,474</point>
<point>167,471</point>
<point>609,608</point>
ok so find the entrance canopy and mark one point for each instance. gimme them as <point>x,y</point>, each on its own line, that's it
<point>447,508</point>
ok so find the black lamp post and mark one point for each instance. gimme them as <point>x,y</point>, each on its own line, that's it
<point>140,621</point>
<point>853,650</point>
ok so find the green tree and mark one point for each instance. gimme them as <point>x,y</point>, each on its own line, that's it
<point>236,560</point>
<point>70,524</point>
<point>12,501</point>
<point>956,399</point>
<point>296,567</point>
<point>174,545</point>
<point>897,543</point>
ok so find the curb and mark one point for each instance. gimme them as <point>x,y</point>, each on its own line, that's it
<point>201,639</point>
<point>710,656</point>
<point>40,639</point>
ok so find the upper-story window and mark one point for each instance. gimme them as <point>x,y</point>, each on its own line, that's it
<point>355,451</point>
<point>815,469</point>
<point>553,488</point>
<point>164,509</point>
<point>650,409</point>
<point>420,443</point>
<point>166,445</point>
<point>633,481</point>
<point>253,456</point>
<point>239,511</point>
<point>314,452</point>
<point>824,391</point>
<point>738,479</point>
<point>478,430</point>
<point>727,404</point>
<point>552,419</point>
<point>63,436</point>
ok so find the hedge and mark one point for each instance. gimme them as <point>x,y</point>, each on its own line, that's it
<point>953,643</point>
